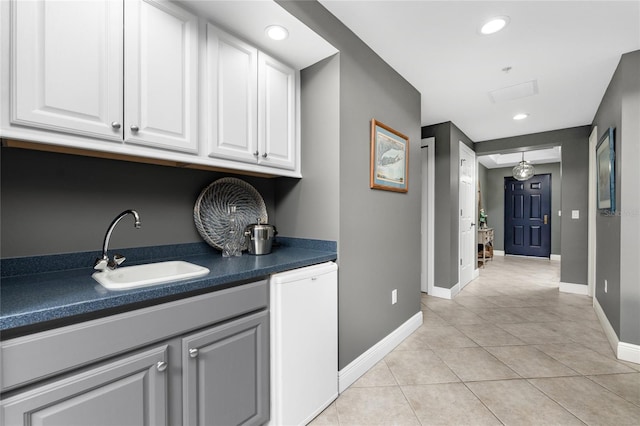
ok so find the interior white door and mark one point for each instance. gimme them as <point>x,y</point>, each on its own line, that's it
<point>466,249</point>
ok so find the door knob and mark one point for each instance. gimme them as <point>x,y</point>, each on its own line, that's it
<point>134,128</point>
<point>115,125</point>
<point>193,353</point>
<point>161,366</point>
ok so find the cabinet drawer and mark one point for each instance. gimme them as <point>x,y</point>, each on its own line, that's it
<point>37,356</point>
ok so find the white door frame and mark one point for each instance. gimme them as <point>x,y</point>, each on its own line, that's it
<point>428,150</point>
<point>463,226</point>
<point>591,234</point>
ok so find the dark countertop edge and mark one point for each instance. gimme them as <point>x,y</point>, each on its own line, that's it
<point>18,324</point>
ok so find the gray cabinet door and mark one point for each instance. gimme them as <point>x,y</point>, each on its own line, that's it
<point>226,373</point>
<point>128,391</point>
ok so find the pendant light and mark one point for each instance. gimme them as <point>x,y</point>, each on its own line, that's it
<point>524,170</point>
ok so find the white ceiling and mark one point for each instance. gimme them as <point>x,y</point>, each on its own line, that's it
<point>247,19</point>
<point>539,156</point>
<point>570,49</point>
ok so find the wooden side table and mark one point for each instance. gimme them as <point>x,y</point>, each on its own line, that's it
<point>485,237</point>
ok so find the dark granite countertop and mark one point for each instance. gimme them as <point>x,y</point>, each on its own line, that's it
<point>46,299</point>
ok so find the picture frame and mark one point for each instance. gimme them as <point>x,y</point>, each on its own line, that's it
<point>605,158</point>
<point>389,168</point>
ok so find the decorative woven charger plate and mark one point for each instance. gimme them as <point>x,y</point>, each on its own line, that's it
<point>210,212</point>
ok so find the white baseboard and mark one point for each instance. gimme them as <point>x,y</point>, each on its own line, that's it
<point>356,368</point>
<point>612,337</point>
<point>629,352</point>
<point>498,252</point>
<point>582,289</point>
<point>445,293</point>
<point>555,257</point>
<point>476,273</point>
<point>624,351</point>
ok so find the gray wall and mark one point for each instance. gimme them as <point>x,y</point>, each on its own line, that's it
<point>447,155</point>
<point>59,203</point>
<point>309,207</point>
<point>379,235</point>
<point>574,190</point>
<point>618,234</point>
<point>493,202</point>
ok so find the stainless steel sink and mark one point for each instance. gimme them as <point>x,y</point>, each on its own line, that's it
<point>128,277</point>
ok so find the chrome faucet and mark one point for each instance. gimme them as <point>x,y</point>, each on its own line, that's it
<point>104,262</point>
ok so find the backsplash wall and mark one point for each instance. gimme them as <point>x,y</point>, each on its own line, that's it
<point>58,203</point>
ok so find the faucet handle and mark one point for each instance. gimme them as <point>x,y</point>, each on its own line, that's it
<point>101,264</point>
<point>119,259</point>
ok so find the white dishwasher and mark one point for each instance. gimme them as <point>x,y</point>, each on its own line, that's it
<point>304,343</point>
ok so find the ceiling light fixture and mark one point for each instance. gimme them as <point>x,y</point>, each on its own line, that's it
<point>276,32</point>
<point>524,170</point>
<point>494,25</point>
<point>520,116</point>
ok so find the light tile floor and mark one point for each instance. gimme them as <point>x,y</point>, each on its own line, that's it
<point>509,349</point>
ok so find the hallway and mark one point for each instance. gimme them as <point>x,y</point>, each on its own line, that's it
<point>509,349</point>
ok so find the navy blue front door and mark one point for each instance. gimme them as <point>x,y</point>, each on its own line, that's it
<point>527,216</point>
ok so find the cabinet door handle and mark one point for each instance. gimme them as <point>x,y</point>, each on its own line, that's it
<point>161,366</point>
<point>264,155</point>
<point>134,128</point>
<point>255,154</point>
<point>546,219</point>
<point>115,125</point>
<point>193,353</point>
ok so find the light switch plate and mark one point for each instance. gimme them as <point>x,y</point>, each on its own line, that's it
<point>575,214</point>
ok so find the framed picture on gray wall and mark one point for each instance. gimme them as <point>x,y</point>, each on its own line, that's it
<point>389,158</point>
<point>605,157</point>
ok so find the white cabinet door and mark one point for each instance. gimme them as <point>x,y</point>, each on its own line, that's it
<point>277,113</point>
<point>232,105</point>
<point>161,75</point>
<point>66,59</point>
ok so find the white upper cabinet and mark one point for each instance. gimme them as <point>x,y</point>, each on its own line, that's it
<point>251,102</point>
<point>69,61</point>
<point>232,97</point>
<point>66,70</point>
<point>276,113</point>
<point>161,75</point>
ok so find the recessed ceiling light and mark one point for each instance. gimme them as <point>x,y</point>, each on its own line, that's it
<point>520,116</point>
<point>276,32</point>
<point>494,25</point>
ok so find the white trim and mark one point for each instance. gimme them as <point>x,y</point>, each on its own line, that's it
<point>574,288</point>
<point>359,366</point>
<point>445,293</point>
<point>498,252</point>
<point>555,257</point>
<point>476,274</point>
<point>609,332</point>
<point>427,225</point>
<point>629,352</point>
<point>624,351</point>
<point>592,213</point>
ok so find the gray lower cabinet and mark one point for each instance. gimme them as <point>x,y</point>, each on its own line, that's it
<point>197,361</point>
<point>129,391</point>
<point>226,374</point>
